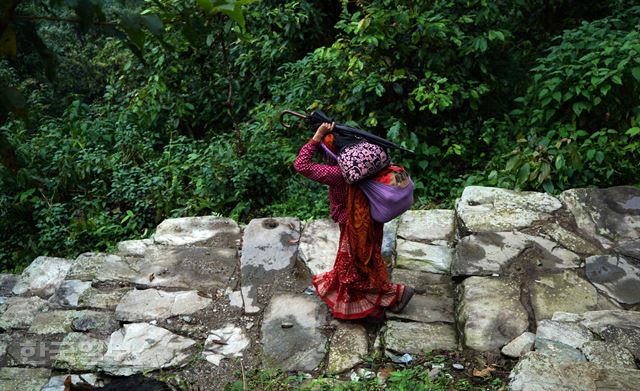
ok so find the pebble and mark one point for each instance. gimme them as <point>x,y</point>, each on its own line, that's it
<point>458,366</point>
<point>286,325</point>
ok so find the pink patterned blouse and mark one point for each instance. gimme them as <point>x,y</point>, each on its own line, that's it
<point>327,174</point>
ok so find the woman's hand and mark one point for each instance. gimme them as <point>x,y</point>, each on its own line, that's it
<point>323,130</point>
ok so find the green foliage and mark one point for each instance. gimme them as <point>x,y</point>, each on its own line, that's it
<point>169,108</point>
<point>578,121</point>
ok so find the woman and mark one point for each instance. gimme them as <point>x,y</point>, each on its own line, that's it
<point>358,285</point>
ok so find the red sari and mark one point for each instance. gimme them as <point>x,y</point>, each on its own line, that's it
<point>357,286</point>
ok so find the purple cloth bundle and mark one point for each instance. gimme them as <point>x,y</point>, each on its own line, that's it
<point>387,202</point>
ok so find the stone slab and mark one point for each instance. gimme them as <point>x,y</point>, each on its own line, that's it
<point>427,309</point>
<point>269,247</point>
<point>568,333</point>
<point>208,231</point>
<point>488,253</point>
<point>80,352</point>
<point>570,240</point>
<point>427,225</point>
<point>42,277</point>
<point>98,322</point>
<point>102,299</point>
<point>616,276</point>
<point>597,321</point>
<point>68,293</point>
<point>490,313</point>
<point>419,338</point>
<point>349,346</point>
<point>52,322</point>
<point>21,311</point>
<point>606,215</point>
<point>133,248</point>
<point>564,292</point>
<point>141,347</point>
<point>300,347</point>
<point>559,351</point>
<point>627,337</point>
<point>150,304</point>
<point>520,345</point>
<point>319,245</point>
<point>608,355</point>
<point>488,209</point>
<point>434,257</point>
<point>23,379</point>
<point>539,372</point>
<point>432,283</point>
<point>226,342</point>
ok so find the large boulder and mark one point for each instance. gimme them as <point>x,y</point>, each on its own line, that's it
<point>292,338</point>
<point>488,253</point>
<point>615,275</point>
<point>43,276</point>
<point>269,247</point>
<point>490,313</point>
<point>607,215</point>
<point>149,304</point>
<point>209,231</point>
<point>488,209</point>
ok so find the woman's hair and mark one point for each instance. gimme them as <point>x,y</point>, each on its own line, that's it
<point>327,141</point>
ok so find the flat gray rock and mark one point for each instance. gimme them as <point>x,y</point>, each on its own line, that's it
<point>69,292</point>
<point>141,347</point>
<point>628,248</point>
<point>564,292</point>
<point>133,248</point>
<point>608,355</point>
<point>208,231</point>
<point>269,247</point>
<point>349,346</point>
<point>434,257</point>
<point>627,337</point>
<point>101,299</point>
<point>488,253</point>
<point>23,379</point>
<point>96,321</point>
<point>426,225</point>
<point>7,282</point>
<point>572,334</point>
<point>150,304</point>
<point>559,351</point>
<point>301,347</point>
<point>489,313</point>
<point>32,350</point>
<point>432,283</point>
<point>319,245</point>
<point>539,372</point>
<point>519,346</point>
<point>87,266</point>
<point>427,309</point>
<point>597,321</point>
<point>80,352</point>
<point>618,277</point>
<point>570,240</point>
<point>21,311</point>
<point>607,215</point>
<point>419,338</point>
<point>52,322</point>
<point>226,342</point>
<point>389,239</point>
<point>489,209</point>
<point>43,276</point>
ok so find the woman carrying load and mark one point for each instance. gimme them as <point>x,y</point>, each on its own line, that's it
<point>358,286</point>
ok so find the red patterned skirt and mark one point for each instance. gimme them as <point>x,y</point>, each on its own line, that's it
<point>348,292</point>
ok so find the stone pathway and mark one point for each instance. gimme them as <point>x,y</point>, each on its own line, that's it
<point>551,282</point>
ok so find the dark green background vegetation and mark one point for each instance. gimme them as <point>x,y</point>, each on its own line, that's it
<point>118,114</point>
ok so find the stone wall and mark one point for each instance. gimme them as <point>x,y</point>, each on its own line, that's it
<point>551,282</point>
